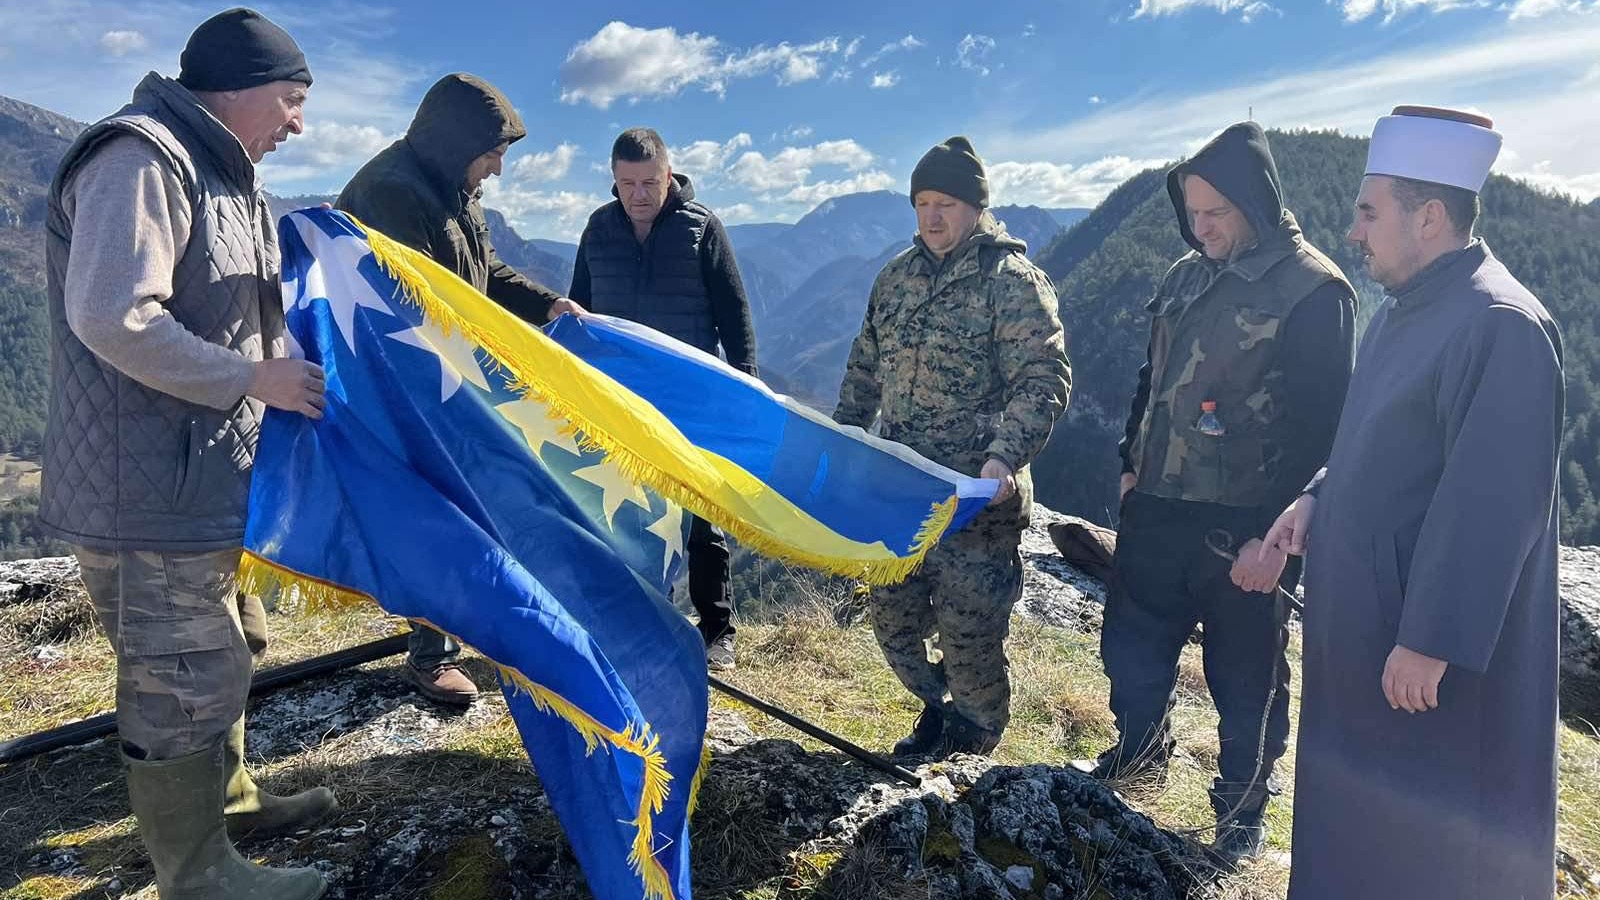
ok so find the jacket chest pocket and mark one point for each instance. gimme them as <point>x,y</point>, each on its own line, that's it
<point>957,354</point>
<point>457,245</point>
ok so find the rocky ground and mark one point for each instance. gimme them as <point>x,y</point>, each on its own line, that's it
<point>443,804</point>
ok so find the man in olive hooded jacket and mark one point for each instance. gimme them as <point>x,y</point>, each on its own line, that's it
<point>423,191</point>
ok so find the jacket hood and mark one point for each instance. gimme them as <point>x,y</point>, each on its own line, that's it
<point>1238,163</point>
<point>461,118</point>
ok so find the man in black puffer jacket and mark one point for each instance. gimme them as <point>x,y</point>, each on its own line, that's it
<point>423,191</point>
<point>655,256</point>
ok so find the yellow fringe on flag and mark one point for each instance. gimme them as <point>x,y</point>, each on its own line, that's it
<point>652,794</point>
<point>699,776</point>
<point>260,577</point>
<point>407,268</point>
<point>257,576</point>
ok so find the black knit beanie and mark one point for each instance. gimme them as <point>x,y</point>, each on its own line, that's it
<point>953,168</point>
<point>238,49</point>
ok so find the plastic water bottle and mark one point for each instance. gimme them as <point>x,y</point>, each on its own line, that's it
<point>1209,423</point>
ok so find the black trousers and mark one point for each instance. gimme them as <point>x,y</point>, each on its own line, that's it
<point>710,589</point>
<point>1165,582</point>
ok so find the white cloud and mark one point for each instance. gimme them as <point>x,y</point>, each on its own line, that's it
<point>739,214</point>
<point>705,157</point>
<point>972,51</point>
<point>546,165</point>
<point>621,61</point>
<point>540,213</point>
<point>1095,100</point>
<point>885,79</point>
<point>812,194</point>
<point>1052,184</point>
<point>1248,10</point>
<point>801,132</point>
<point>83,58</point>
<point>781,185</point>
<point>909,42</point>
<point>1542,173</point>
<point>1358,10</point>
<point>851,48</point>
<point>324,157</point>
<point>1559,122</point>
<point>122,42</point>
<point>791,167</point>
<point>1532,9</point>
<point>1029,30</point>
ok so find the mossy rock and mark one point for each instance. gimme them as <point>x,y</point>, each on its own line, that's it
<point>473,870</point>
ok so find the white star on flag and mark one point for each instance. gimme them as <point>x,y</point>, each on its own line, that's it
<point>456,355</point>
<point>614,489</point>
<point>670,529</point>
<point>343,254</point>
<point>540,431</point>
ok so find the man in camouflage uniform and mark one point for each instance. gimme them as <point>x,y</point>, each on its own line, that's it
<point>962,355</point>
<point>1249,358</point>
<point>167,342</point>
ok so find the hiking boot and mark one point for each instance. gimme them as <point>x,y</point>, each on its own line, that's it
<point>962,735</point>
<point>1237,842</point>
<point>1119,765</point>
<point>925,734</point>
<point>444,683</point>
<point>1241,809</point>
<point>176,802</point>
<point>248,810</point>
<point>719,654</point>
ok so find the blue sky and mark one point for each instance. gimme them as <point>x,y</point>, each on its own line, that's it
<point>774,107</point>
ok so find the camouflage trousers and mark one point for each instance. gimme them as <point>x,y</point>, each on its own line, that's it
<point>186,642</point>
<point>963,594</point>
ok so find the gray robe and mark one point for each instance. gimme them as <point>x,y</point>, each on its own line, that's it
<point>1435,528</point>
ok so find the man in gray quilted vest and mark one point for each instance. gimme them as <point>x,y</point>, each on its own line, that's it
<point>167,342</point>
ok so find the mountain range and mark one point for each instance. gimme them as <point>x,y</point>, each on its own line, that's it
<point>808,284</point>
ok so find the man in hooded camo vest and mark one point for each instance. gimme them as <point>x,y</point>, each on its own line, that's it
<point>1250,348</point>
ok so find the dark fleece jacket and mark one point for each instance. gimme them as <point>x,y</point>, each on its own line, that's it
<point>413,191</point>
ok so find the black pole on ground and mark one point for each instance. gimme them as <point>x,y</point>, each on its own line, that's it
<point>265,681</point>
<point>269,680</point>
<point>900,773</point>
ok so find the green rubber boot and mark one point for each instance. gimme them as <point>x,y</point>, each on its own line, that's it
<point>178,803</point>
<point>250,811</point>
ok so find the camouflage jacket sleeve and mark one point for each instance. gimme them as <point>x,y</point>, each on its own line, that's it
<point>1032,356</point>
<point>860,392</point>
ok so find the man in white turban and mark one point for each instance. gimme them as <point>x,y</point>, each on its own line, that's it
<point>1427,750</point>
